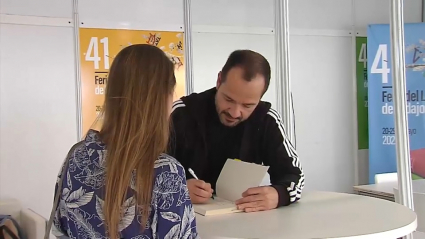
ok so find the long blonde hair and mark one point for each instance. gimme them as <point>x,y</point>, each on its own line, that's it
<point>135,127</point>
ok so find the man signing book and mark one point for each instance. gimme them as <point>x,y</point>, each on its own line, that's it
<point>231,121</point>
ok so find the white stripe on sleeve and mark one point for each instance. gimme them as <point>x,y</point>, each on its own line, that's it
<point>177,104</point>
<point>294,189</point>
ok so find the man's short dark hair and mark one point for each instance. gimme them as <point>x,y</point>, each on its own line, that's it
<point>251,62</point>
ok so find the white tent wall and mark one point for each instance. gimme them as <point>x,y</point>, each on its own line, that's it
<point>37,101</point>
<point>37,79</point>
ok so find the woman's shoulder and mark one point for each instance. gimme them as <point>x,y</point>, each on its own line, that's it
<point>86,162</point>
<point>165,158</point>
<point>168,163</point>
<point>91,142</point>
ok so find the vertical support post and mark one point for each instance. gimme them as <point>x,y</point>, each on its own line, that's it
<point>423,10</point>
<point>76,21</point>
<point>354,96</point>
<point>400,111</point>
<point>282,58</point>
<point>188,56</point>
<point>278,73</point>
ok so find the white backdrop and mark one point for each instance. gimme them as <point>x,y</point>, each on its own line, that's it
<point>216,47</point>
<point>38,110</point>
<point>38,123</point>
<point>322,110</point>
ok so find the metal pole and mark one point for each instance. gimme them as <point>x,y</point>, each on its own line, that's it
<point>77,66</point>
<point>354,96</point>
<point>423,10</point>
<point>400,112</point>
<point>278,77</point>
<point>282,30</point>
<point>188,56</point>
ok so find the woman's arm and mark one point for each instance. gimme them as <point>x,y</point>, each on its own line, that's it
<point>174,216</point>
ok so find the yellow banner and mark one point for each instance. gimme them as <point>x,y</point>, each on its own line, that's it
<point>98,47</point>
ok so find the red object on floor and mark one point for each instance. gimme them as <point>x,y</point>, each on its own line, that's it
<point>417,160</point>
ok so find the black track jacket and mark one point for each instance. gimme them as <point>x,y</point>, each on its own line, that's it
<point>263,141</point>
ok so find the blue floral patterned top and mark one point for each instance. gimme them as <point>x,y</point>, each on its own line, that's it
<point>79,212</point>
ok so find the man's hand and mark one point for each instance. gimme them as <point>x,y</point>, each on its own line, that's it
<point>258,199</point>
<point>199,191</point>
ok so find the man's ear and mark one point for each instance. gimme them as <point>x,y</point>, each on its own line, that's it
<point>218,84</point>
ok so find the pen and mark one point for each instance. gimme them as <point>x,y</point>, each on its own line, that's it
<point>194,175</point>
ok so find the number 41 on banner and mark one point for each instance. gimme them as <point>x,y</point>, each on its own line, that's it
<point>381,56</point>
<point>93,49</point>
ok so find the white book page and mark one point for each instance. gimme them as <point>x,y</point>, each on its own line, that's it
<point>215,204</point>
<point>237,176</point>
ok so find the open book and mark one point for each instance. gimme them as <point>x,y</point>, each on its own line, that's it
<point>235,178</point>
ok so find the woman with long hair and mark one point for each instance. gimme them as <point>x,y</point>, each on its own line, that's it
<point>118,182</point>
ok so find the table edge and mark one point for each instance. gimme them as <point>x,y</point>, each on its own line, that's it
<point>396,233</point>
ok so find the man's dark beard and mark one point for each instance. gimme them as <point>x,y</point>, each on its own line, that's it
<point>229,116</point>
<point>238,119</point>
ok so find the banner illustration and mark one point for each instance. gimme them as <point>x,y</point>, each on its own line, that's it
<point>98,47</point>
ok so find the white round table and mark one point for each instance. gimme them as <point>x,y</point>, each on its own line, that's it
<point>316,215</point>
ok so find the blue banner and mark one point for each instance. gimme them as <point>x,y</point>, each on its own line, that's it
<point>382,150</point>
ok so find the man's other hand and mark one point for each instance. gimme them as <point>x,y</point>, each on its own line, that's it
<point>199,191</point>
<point>258,199</point>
